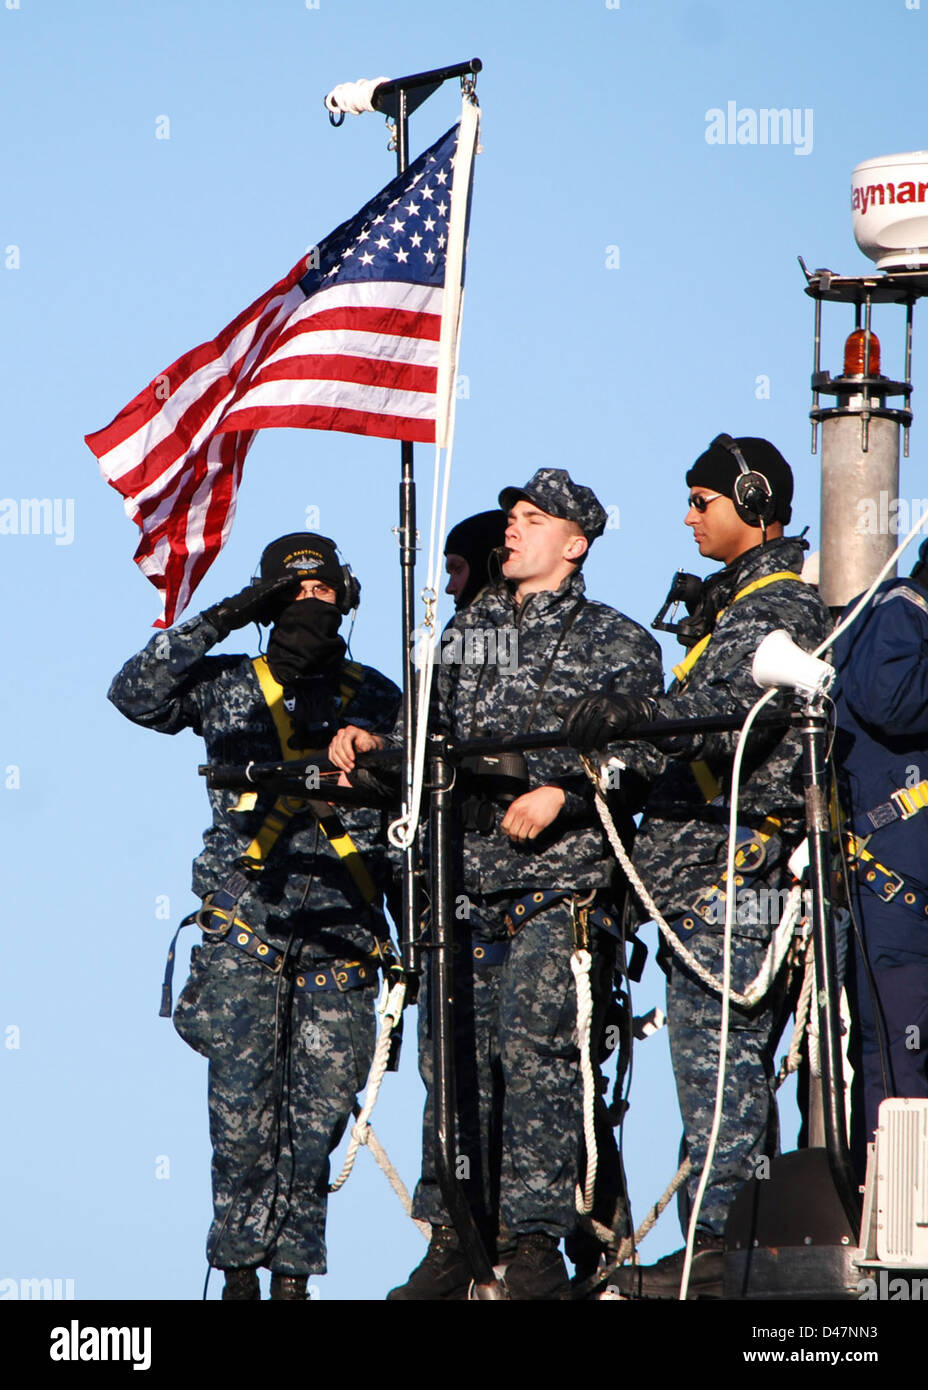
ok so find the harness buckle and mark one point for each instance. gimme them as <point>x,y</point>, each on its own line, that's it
<point>855,846</point>
<point>904,804</point>
<point>204,916</point>
<point>580,916</point>
<point>893,885</point>
<point>706,904</point>
<point>743,855</point>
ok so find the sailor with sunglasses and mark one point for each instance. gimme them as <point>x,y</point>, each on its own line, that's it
<point>740,494</point>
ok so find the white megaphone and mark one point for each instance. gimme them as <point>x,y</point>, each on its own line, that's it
<point>780,663</point>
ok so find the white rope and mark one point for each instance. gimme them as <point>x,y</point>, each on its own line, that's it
<point>360,1134</point>
<point>396,1182</point>
<point>354,97</point>
<point>794,1056</point>
<point>726,989</point>
<point>776,951</point>
<point>866,597</point>
<point>630,1243</point>
<point>580,963</point>
<point>812,1029</point>
<point>650,1221</point>
<point>778,948</point>
<point>402,831</point>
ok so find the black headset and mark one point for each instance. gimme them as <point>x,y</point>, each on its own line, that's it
<point>753,496</point>
<point>351,589</point>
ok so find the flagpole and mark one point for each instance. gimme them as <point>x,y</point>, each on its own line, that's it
<point>409,927</point>
<point>398,98</point>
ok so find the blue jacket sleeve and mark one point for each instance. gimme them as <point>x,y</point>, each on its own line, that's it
<point>885,680</point>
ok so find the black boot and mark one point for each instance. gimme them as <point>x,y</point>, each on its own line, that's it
<point>288,1288</point>
<point>443,1274</point>
<point>537,1271</point>
<point>662,1280</point>
<point>241,1285</point>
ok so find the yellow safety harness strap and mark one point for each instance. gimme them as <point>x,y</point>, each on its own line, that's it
<point>711,788</point>
<point>706,780</point>
<point>351,677</point>
<point>908,800</point>
<point>751,840</point>
<point>683,670</point>
<point>285,807</point>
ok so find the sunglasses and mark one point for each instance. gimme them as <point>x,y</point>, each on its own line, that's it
<point>700,501</point>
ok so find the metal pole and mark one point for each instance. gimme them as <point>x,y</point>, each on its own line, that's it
<point>909,306</point>
<point>816,369</point>
<point>409,927</point>
<point>813,729</point>
<point>442,1013</point>
<point>398,97</point>
<point>433,78</point>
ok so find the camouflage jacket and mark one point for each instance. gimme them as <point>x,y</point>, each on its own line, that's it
<point>682,844</point>
<point>172,685</point>
<point>493,659</point>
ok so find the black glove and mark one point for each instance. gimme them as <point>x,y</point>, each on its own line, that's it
<point>595,720</point>
<point>256,603</point>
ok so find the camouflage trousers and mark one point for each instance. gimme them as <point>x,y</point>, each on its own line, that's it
<point>285,1067</point>
<point>750,1122</point>
<point>517,1077</point>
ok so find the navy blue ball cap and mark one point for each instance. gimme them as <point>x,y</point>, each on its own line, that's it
<point>303,553</point>
<point>553,490</point>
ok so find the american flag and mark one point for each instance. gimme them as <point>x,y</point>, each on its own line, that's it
<point>349,340</point>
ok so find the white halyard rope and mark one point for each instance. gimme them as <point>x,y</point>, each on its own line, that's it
<point>794,1056</point>
<point>354,97</point>
<point>402,831</point>
<point>580,963</point>
<point>396,1182</point>
<point>726,989</point>
<point>630,1243</point>
<point>392,1012</point>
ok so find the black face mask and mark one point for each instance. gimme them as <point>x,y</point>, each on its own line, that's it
<point>304,641</point>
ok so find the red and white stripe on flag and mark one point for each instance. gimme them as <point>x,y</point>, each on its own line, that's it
<point>349,340</point>
<point>356,357</point>
<point>177,476</point>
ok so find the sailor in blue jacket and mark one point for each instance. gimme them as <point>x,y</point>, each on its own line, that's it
<point>882,751</point>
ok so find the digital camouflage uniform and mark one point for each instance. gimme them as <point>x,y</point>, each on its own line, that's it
<point>681,849</point>
<point>518,1082</point>
<point>285,1063</point>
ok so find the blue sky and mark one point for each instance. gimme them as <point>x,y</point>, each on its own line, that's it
<point>632,291</point>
